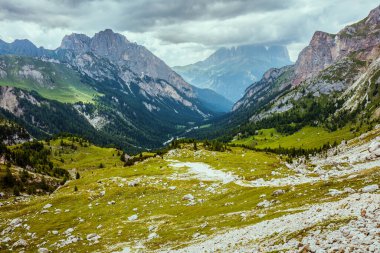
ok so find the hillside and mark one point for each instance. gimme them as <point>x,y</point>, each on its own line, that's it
<point>98,84</point>
<point>215,199</point>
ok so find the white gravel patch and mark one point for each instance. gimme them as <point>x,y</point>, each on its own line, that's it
<point>204,172</point>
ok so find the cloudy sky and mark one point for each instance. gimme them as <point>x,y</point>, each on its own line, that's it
<point>181,31</point>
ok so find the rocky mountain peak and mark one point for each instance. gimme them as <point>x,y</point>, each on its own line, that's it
<point>24,43</point>
<point>77,42</point>
<point>373,17</point>
<point>325,49</point>
<point>109,44</point>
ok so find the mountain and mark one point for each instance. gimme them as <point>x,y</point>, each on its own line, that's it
<point>119,88</point>
<point>229,71</point>
<point>334,83</point>
<point>330,63</point>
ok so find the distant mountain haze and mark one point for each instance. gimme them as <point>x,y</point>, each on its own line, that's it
<point>229,71</point>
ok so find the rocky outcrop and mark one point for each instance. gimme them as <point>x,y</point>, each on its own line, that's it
<point>324,49</point>
<point>344,63</point>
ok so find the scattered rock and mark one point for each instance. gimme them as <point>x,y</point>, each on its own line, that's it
<point>334,192</point>
<point>6,239</point>
<point>47,206</point>
<point>16,222</point>
<point>133,217</point>
<point>152,236</point>
<point>133,183</point>
<point>102,193</point>
<point>93,237</point>
<point>20,244</point>
<point>264,204</point>
<point>196,235</point>
<point>68,231</point>
<point>278,192</point>
<point>370,188</point>
<point>349,190</point>
<point>172,188</point>
<point>188,197</point>
<point>54,232</point>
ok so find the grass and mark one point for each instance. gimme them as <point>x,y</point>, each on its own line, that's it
<point>308,138</point>
<point>155,203</point>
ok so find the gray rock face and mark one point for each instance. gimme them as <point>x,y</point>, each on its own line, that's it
<point>325,49</point>
<point>230,71</point>
<point>126,55</point>
<point>331,63</point>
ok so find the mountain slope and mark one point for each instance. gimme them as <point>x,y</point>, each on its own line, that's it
<point>230,71</point>
<point>120,88</point>
<point>212,100</point>
<point>330,64</point>
<point>333,83</point>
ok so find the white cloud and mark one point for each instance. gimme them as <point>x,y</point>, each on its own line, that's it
<point>181,32</point>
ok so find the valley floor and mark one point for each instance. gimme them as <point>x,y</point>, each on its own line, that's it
<point>204,201</point>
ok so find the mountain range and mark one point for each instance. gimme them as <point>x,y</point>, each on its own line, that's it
<point>333,82</point>
<point>229,71</point>
<point>116,91</point>
<point>126,96</point>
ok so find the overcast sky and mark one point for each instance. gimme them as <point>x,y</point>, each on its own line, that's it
<point>181,31</point>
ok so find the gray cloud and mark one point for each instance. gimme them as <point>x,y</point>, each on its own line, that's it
<point>181,31</point>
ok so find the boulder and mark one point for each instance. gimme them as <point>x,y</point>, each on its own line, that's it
<point>374,146</point>
<point>152,236</point>
<point>93,237</point>
<point>16,222</point>
<point>43,250</point>
<point>188,197</point>
<point>20,244</point>
<point>133,183</point>
<point>334,192</point>
<point>264,204</point>
<point>6,239</point>
<point>68,231</point>
<point>278,192</point>
<point>47,206</point>
<point>349,190</point>
<point>370,188</point>
<point>133,217</point>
